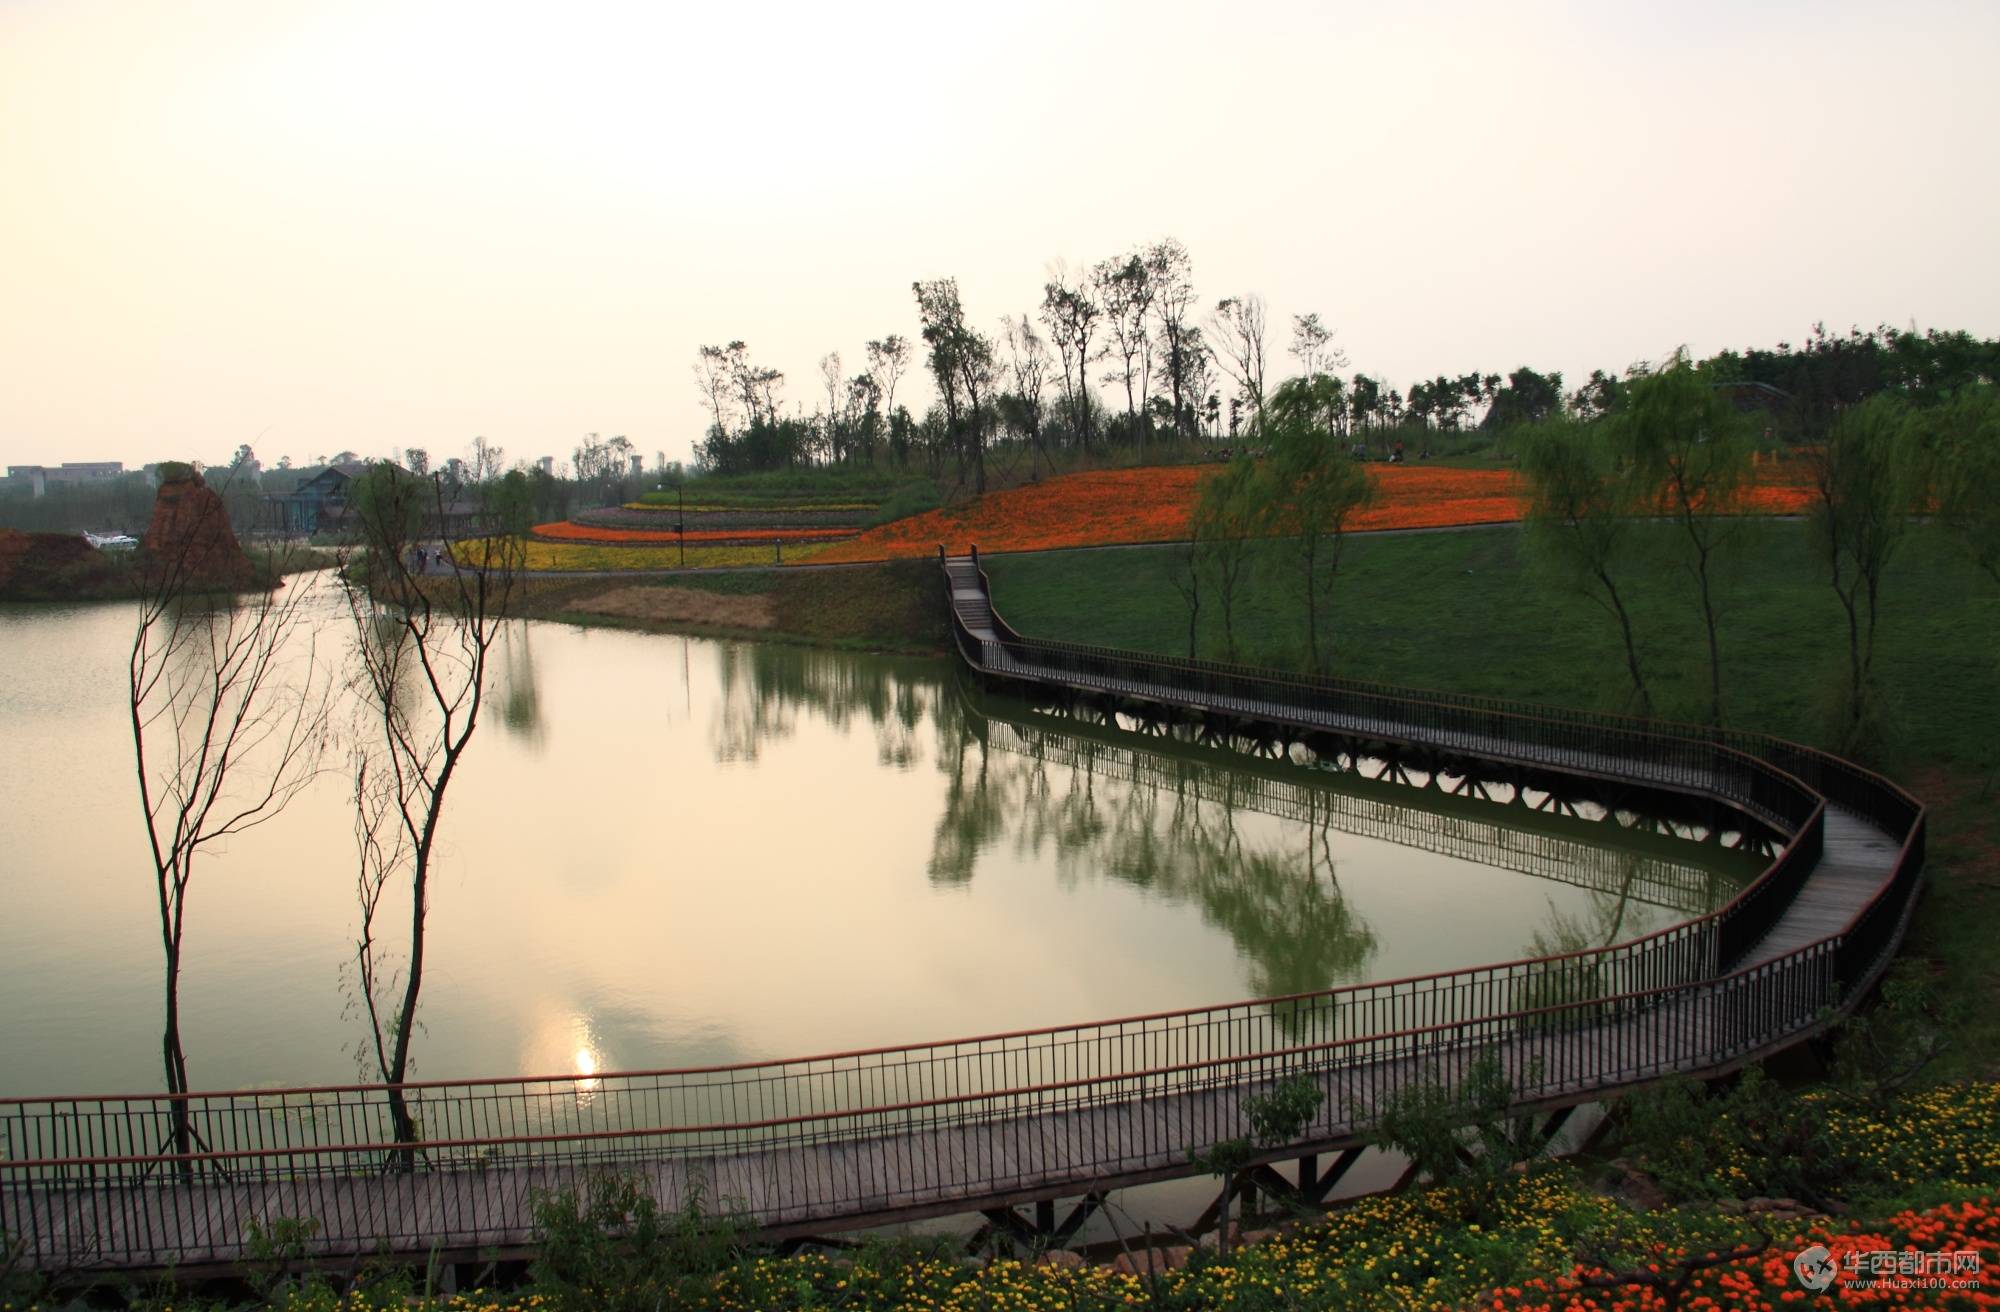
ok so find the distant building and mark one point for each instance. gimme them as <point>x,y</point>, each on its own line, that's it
<point>39,477</point>
<point>316,502</point>
<point>548,465</point>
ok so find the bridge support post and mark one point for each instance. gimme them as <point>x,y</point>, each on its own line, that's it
<point>1044,1231</point>
<point>1314,1187</point>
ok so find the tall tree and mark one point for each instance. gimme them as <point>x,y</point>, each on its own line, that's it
<point>1227,517</point>
<point>1071,313</point>
<point>1691,447</point>
<point>1028,364</point>
<point>1312,346</point>
<point>1312,489</point>
<point>1864,489</point>
<point>1123,286</point>
<point>888,357</point>
<point>1964,445</point>
<point>1527,398</point>
<point>717,380</point>
<point>1598,397</point>
<point>1171,272</point>
<point>1580,504</point>
<point>961,361</point>
<point>1238,323</point>
<point>423,641</point>
<point>831,377</point>
<point>228,714</point>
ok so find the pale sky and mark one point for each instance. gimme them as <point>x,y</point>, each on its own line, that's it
<point>313,225</point>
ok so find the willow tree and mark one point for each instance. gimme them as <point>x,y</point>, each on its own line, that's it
<point>428,606</point>
<point>1865,479</point>
<point>1580,502</point>
<point>1227,517</point>
<point>1311,488</point>
<point>1963,441</point>
<point>1691,448</point>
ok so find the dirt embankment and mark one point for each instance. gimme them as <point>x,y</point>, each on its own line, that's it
<point>50,567</point>
<point>897,607</point>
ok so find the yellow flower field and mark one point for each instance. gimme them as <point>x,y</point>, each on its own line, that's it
<point>582,557</point>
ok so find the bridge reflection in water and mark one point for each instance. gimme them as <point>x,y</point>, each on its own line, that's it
<point>858,1138</point>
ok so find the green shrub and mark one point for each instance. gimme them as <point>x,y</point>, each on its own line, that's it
<point>1462,1135</point>
<point>913,499</point>
<point>607,1246</point>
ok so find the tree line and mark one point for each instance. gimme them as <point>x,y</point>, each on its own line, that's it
<point>1124,353</point>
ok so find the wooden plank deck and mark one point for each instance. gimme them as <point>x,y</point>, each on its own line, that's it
<point>898,1170</point>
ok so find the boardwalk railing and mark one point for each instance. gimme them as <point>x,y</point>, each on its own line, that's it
<point>868,1134</point>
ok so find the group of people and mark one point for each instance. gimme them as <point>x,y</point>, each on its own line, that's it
<point>1360,452</point>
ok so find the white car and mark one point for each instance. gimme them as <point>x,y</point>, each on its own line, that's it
<point>111,541</point>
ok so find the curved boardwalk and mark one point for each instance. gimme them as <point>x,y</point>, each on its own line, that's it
<point>863,1137</point>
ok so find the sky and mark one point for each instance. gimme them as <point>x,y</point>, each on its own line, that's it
<point>320,225</point>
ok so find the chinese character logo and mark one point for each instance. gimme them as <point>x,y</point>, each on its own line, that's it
<point>1816,1268</point>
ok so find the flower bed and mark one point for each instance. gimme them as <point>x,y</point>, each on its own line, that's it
<point>572,557</point>
<point>1125,506</point>
<point>665,501</point>
<point>569,531</point>
<point>654,518</point>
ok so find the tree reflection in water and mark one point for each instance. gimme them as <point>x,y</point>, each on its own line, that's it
<point>1167,818</point>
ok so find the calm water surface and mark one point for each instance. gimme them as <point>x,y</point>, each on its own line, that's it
<point>667,851</point>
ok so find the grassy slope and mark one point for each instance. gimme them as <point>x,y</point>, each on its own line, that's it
<point>1474,611</point>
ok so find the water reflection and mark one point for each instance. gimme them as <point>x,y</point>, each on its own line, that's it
<point>792,851</point>
<point>1195,827</point>
<point>519,696</point>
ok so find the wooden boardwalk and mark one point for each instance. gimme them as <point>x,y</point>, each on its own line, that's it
<point>863,1138</point>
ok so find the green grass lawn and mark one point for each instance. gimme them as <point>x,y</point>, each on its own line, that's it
<point>1476,612</point>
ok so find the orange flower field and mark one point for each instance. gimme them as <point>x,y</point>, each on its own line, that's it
<point>1122,506</point>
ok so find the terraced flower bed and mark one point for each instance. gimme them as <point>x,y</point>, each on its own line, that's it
<point>591,557</point>
<point>654,518</point>
<point>1126,506</point>
<point>571,531</point>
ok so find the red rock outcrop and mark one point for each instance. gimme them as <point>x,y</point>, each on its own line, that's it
<point>190,531</point>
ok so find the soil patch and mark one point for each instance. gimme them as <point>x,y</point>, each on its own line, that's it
<point>683,606</point>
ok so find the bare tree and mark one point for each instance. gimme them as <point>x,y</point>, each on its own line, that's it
<point>229,711</point>
<point>1312,346</point>
<point>423,642</point>
<point>1028,363</point>
<point>830,378</point>
<point>716,380</point>
<point>487,460</point>
<point>887,359</point>
<point>1238,323</point>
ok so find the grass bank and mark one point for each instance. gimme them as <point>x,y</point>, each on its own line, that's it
<point>1474,611</point>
